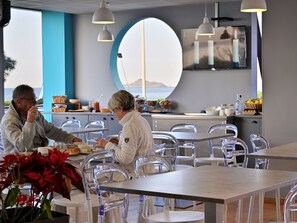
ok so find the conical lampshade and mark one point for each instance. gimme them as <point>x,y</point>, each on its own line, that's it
<point>103,15</point>
<point>253,6</point>
<point>105,35</point>
<point>205,29</point>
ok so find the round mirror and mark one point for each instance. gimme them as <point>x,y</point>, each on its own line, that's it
<point>146,59</point>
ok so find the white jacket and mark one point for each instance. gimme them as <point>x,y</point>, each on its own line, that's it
<point>135,139</point>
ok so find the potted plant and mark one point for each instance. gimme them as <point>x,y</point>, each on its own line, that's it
<point>44,175</point>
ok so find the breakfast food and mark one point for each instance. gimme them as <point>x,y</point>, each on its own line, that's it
<point>85,148</point>
<point>151,102</point>
<point>254,103</point>
<point>165,104</point>
<point>105,110</point>
<point>72,151</point>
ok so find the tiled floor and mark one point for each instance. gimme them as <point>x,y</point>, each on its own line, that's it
<point>269,211</point>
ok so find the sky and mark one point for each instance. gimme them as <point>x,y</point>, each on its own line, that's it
<point>22,42</point>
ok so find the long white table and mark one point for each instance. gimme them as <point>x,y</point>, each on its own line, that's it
<point>83,130</point>
<point>212,185</point>
<point>287,151</point>
<point>194,136</point>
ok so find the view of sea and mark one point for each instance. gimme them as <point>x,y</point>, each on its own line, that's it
<point>152,93</point>
<point>8,93</point>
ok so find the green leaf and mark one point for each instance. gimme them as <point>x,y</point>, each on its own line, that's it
<point>45,210</point>
<point>11,197</point>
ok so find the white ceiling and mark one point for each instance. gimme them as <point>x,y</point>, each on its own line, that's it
<point>87,6</point>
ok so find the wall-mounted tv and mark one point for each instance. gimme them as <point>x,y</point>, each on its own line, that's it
<point>225,50</point>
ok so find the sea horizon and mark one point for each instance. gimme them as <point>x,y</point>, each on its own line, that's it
<point>8,93</point>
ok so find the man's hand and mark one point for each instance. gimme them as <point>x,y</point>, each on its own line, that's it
<point>114,140</point>
<point>32,114</point>
<point>101,143</point>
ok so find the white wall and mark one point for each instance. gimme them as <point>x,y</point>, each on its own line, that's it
<point>196,90</point>
<point>280,76</point>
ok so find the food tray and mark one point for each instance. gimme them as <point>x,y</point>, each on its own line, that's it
<point>60,108</point>
<point>59,99</point>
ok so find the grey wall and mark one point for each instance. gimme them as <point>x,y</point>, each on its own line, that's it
<point>196,90</point>
<point>280,75</point>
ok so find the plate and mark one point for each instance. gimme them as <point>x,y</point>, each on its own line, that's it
<point>25,153</point>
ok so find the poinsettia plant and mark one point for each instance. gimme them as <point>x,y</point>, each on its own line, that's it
<point>44,175</point>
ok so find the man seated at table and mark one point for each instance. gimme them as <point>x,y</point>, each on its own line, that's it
<point>23,127</point>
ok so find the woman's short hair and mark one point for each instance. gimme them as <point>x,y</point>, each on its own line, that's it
<point>22,91</point>
<point>121,99</point>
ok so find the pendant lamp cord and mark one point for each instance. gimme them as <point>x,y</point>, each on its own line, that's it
<point>205,9</point>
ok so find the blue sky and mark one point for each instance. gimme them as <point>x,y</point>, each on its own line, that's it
<point>22,42</point>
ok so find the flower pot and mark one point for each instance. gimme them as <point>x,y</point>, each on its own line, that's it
<point>58,217</point>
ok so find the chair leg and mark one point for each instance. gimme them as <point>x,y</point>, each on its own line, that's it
<point>76,215</point>
<point>239,212</point>
<point>261,206</point>
<point>278,208</point>
<point>250,211</point>
<point>225,211</point>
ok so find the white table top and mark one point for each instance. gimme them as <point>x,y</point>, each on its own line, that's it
<point>194,136</point>
<point>210,184</point>
<point>287,151</point>
<point>82,130</point>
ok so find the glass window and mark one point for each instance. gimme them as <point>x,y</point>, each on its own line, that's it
<point>149,59</point>
<point>23,44</point>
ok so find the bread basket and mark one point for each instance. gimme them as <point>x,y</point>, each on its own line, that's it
<point>60,108</point>
<point>59,99</point>
<point>253,106</point>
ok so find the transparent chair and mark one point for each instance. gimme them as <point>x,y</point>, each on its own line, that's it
<point>290,206</point>
<point>72,124</point>
<point>186,150</point>
<point>110,201</point>
<point>235,152</point>
<point>261,143</point>
<point>150,165</point>
<point>166,145</point>
<point>91,137</point>
<point>87,200</point>
<point>215,145</point>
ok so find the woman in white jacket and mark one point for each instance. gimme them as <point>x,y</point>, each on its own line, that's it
<point>136,136</point>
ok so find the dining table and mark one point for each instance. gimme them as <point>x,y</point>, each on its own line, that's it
<point>286,151</point>
<point>194,136</point>
<point>75,130</point>
<point>212,185</point>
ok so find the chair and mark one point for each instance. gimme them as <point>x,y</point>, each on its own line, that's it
<point>91,137</point>
<point>88,199</point>
<point>235,153</point>
<point>216,144</point>
<point>260,143</point>
<point>153,164</point>
<point>107,173</point>
<point>72,123</point>
<point>290,205</point>
<point>186,151</point>
<point>166,145</point>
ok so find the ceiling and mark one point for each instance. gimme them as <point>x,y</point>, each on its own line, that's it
<point>88,6</point>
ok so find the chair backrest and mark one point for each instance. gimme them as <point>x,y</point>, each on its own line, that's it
<point>186,150</point>
<point>146,166</point>
<point>235,152</point>
<point>225,128</point>
<point>105,173</point>
<point>150,165</point>
<point>167,147</point>
<point>184,128</point>
<point>73,123</point>
<point>86,167</point>
<point>260,143</point>
<point>95,124</point>
<point>290,204</point>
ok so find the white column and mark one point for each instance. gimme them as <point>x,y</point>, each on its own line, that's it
<point>210,53</point>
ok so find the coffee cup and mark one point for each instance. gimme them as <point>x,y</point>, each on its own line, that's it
<point>229,111</point>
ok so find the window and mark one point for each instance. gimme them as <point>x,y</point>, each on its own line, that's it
<point>26,50</point>
<point>148,59</point>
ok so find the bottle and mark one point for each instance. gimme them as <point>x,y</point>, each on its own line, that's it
<point>97,106</point>
<point>238,106</point>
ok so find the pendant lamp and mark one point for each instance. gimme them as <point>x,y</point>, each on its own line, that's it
<point>105,35</point>
<point>253,6</point>
<point>103,15</point>
<point>205,29</point>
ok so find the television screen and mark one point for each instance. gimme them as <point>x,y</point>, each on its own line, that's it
<point>224,50</point>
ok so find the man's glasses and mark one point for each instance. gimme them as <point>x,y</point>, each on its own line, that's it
<point>33,100</point>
